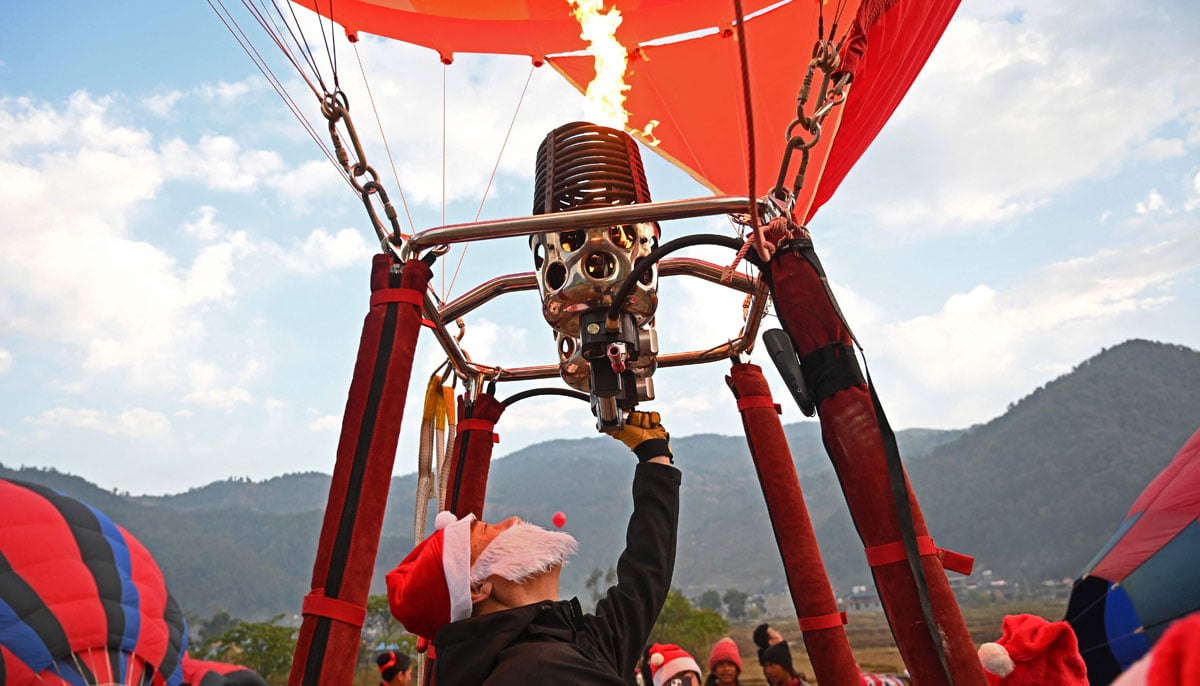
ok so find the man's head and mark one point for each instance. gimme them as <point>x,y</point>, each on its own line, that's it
<point>467,565</point>
<point>777,664</point>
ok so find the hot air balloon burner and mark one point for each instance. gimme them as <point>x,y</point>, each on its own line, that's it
<point>582,165</point>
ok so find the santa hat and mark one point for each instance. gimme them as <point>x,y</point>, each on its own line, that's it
<point>724,650</point>
<point>1033,651</point>
<point>667,660</point>
<point>1174,660</point>
<point>432,586</point>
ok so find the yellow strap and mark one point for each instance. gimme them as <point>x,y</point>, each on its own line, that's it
<point>433,397</point>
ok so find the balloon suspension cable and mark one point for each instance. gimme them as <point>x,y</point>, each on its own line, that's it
<point>387,148</point>
<point>496,167</point>
<point>243,39</point>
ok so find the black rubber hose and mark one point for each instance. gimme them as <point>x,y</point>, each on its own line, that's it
<point>662,251</point>
<point>545,391</point>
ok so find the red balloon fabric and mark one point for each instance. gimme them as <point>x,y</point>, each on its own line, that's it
<point>684,70</point>
<point>81,600</point>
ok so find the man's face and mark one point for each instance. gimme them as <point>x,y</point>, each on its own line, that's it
<point>483,533</point>
<point>775,674</point>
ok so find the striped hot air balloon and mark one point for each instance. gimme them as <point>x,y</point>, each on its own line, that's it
<point>82,602</point>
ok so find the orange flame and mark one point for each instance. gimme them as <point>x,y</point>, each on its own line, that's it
<point>605,97</point>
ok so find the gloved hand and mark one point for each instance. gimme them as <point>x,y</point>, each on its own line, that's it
<point>645,436</point>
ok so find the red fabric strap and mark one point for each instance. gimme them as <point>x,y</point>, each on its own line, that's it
<point>316,603</point>
<point>397,295</point>
<point>478,425</point>
<point>957,562</point>
<point>889,553</point>
<point>828,621</point>
<point>749,401</point>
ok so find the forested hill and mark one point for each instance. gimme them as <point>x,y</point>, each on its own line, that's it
<point>1032,494</point>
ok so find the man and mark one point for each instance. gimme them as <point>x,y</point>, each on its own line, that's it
<point>487,594</point>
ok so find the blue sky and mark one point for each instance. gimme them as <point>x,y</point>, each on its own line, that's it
<point>183,275</point>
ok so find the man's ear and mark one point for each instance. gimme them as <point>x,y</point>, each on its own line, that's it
<point>480,592</point>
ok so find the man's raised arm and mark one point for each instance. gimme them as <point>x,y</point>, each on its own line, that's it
<point>627,613</point>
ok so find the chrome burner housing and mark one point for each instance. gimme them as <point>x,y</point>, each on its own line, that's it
<point>581,165</point>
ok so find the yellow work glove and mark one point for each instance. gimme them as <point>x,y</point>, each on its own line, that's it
<point>645,436</point>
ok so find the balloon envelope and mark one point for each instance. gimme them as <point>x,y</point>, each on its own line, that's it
<point>81,600</point>
<point>1146,576</point>
<point>685,73</point>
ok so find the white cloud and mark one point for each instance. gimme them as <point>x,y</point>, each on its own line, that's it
<point>1008,114</point>
<point>322,252</point>
<point>162,104</point>
<point>1163,149</point>
<point>1007,340</point>
<point>219,398</point>
<point>307,184</point>
<point>1154,202</point>
<point>134,423</point>
<point>227,93</point>
<point>205,227</point>
<point>210,276</point>
<point>1193,200</point>
<point>220,163</point>
<point>326,423</point>
<point>6,359</point>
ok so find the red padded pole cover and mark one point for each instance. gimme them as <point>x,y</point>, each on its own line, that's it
<point>812,596</point>
<point>852,436</point>
<point>466,481</point>
<point>327,649</point>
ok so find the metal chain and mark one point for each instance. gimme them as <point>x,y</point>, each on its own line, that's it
<point>805,130</point>
<point>336,108</point>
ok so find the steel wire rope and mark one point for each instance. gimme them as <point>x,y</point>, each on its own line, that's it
<point>274,32</point>
<point>491,178</point>
<point>239,34</point>
<point>387,148</point>
<point>302,43</point>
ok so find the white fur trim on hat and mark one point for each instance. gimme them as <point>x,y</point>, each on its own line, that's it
<point>995,659</point>
<point>456,562</point>
<point>444,519</point>
<point>676,666</point>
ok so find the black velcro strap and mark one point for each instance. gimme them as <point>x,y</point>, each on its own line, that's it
<point>831,369</point>
<point>654,447</point>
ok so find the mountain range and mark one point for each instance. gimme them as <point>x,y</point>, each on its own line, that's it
<point>1032,494</point>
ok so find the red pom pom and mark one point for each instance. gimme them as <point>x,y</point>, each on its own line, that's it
<point>559,519</point>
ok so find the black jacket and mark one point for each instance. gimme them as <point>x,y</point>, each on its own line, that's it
<point>554,642</point>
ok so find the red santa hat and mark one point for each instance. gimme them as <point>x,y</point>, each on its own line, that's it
<point>668,660</point>
<point>432,586</point>
<point>1173,661</point>
<point>1033,651</point>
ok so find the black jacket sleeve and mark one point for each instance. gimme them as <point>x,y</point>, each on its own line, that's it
<point>625,616</point>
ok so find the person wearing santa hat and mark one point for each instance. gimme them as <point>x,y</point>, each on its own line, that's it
<point>671,665</point>
<point>486,595</point>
